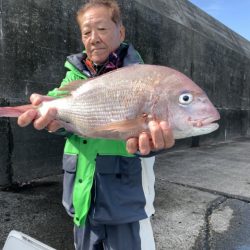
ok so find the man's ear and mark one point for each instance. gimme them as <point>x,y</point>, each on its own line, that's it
<point>122,33</point>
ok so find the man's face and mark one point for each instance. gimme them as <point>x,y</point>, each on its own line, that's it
<point>100,35</point>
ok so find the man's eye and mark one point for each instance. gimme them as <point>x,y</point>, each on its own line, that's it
<point>86,33</point>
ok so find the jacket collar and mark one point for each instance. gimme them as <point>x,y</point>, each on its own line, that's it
<point>131,57</point>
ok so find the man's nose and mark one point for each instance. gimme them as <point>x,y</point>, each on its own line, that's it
<point>95,37</point>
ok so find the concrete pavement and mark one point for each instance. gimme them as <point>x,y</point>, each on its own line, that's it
<point>202,202</point>
<point>202,197</point>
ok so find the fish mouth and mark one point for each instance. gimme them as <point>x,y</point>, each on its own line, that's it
<point>205,122</point>
<point>198,127</point>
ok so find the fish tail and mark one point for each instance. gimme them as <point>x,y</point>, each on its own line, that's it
<point>14,111</point>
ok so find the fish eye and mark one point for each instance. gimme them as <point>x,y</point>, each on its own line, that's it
<point>185,98</point>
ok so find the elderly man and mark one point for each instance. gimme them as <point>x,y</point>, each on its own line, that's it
<point>108,185</point>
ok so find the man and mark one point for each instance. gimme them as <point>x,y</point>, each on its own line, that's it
<point>107,190</point>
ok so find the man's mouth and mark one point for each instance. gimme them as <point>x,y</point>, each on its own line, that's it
<point>97,50</point>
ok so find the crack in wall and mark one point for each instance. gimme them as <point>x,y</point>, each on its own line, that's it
<point>7,135</point>
<point>10,152</point>
<point>1,19</point>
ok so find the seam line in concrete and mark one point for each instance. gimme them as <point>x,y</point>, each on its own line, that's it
<point>228,196</point>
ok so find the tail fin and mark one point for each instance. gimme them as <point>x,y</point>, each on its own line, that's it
<point>14,111</point>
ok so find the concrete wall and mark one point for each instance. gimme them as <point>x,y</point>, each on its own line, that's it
<point>178,34</point>
<point>37,35</point>
<point>35,38</point>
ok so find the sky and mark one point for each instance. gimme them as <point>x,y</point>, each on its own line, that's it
<point>235,14</point>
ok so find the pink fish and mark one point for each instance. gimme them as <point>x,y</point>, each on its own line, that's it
<point>120,104</point>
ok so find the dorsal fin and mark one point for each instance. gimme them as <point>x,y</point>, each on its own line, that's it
<point>72,86</point>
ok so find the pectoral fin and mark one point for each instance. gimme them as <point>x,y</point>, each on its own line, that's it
<point>124,126</point>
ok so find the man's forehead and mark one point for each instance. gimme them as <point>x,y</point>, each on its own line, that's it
<point>97,15</point>
<point>94,20</point>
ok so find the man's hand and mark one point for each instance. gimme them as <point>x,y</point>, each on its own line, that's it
<point>160,137</point>
<point>47,121</point>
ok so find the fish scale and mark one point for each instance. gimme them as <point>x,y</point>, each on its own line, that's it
<point>94,107</point>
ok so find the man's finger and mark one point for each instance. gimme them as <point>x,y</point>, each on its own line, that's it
<point>167,134</point>
<point>144,144</point>
<point>54,126</point>
<point>132,145</point>
<point>26,118</point>
<point>43,121</point>
<point>36,99</point>
<point>156,134</point>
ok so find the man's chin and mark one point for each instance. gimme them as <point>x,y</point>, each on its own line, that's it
<point>99,61</point>
<point>99,56</point>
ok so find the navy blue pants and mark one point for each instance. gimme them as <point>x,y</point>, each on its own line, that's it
<point>130,236</point>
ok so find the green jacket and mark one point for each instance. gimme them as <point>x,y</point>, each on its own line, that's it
<point>80,156</point>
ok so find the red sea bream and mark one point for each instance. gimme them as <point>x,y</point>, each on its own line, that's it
<point>120,104</point>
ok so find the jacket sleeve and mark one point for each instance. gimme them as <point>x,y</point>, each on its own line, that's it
<point>71,75</point>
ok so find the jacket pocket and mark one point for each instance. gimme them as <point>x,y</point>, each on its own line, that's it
<point>69,167</point>
<point>119,196</point>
